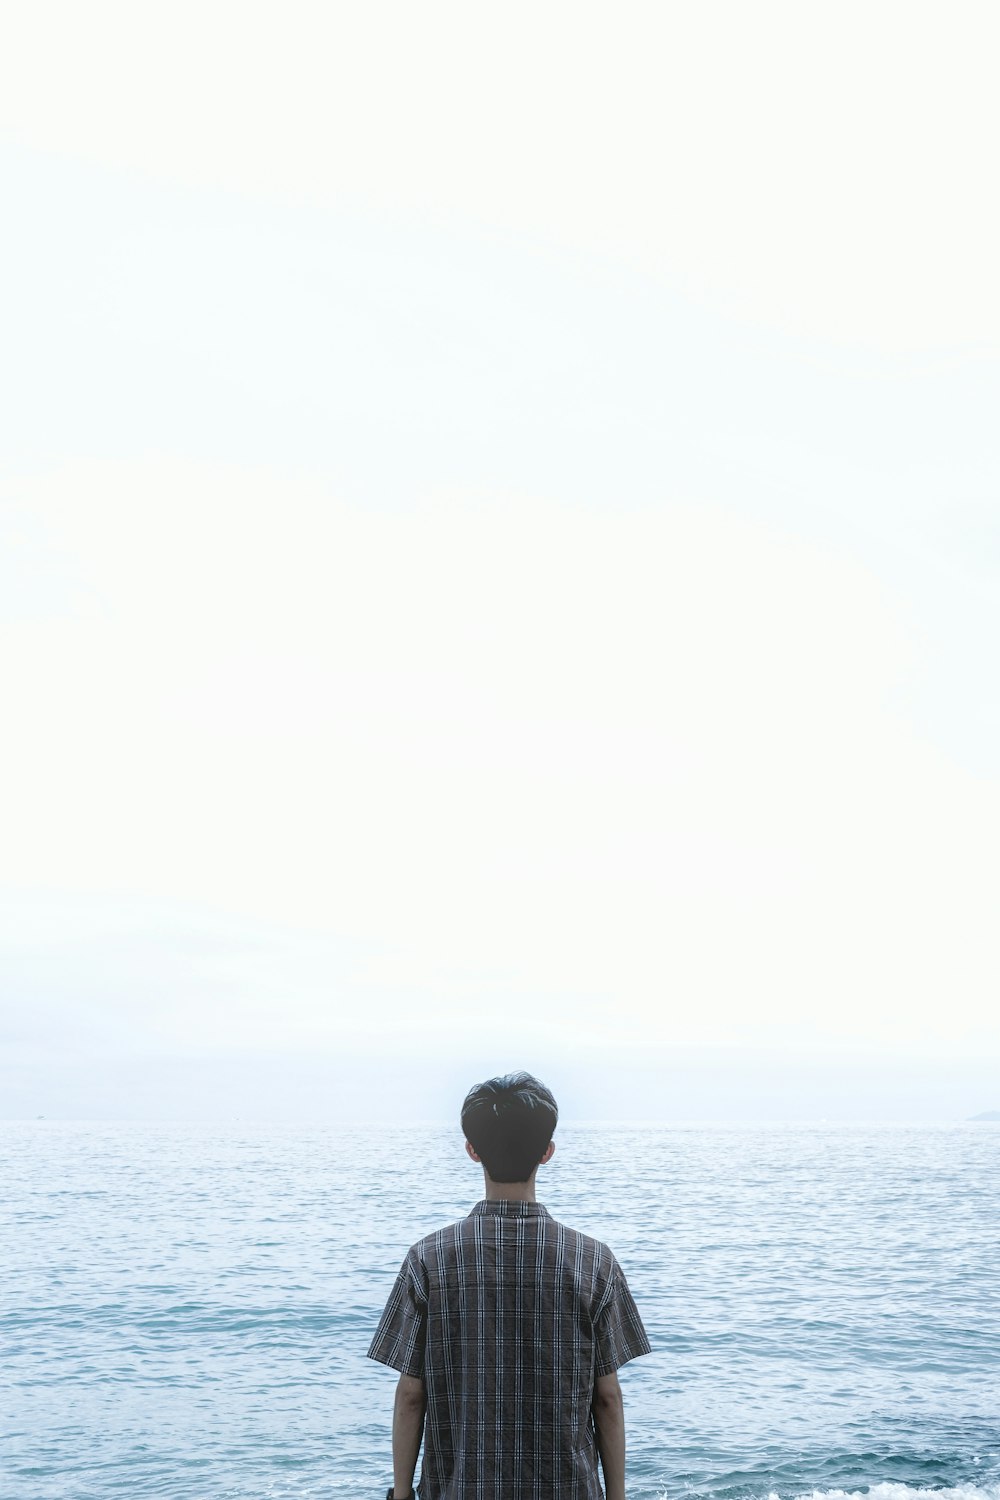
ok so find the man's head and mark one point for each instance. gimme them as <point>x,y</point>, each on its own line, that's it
<point>509,1123</point>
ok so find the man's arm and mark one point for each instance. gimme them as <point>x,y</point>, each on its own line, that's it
<point>407,1430</point>
<point>609,1423</point>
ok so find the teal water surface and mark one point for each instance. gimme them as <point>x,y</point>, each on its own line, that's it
<point>185,1309</point>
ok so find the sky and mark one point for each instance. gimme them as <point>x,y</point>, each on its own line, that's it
<point>500,560</point>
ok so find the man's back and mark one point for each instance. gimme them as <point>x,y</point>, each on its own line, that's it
<point>509,1318</point>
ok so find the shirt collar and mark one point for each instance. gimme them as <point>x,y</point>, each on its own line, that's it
<point>512,1206</point>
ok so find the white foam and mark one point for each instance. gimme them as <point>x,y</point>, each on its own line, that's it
<point>891,1491</point>
<point>888,1491</point>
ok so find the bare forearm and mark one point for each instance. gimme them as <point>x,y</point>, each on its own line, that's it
<point>609,1425</point>
<point>407,1431</point>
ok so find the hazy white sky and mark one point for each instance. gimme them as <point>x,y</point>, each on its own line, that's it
<point>500,559</point>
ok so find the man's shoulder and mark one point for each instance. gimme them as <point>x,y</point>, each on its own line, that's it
<point>569,1242</point>
<point>586,1248</point>
<point>431,1245</point>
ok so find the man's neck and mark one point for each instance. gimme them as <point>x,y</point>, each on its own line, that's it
<point>512,1192</point>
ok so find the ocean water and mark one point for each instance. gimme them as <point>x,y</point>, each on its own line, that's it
<point>184,1310</point>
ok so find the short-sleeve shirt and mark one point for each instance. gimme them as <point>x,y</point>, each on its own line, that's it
<point>508,1317</point>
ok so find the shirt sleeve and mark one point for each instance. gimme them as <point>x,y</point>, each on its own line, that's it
<point>618,1331</point>
<point>400,1335</point>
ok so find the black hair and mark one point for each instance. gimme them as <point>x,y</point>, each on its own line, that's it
<point>509,1122</point>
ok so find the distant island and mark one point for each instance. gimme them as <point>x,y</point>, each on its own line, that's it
<point>990,1114</point>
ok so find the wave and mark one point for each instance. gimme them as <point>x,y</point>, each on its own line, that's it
<point>882,1490</point>
<point>890,1490</point>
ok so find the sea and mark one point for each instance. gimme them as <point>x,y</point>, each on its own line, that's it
<point>185,1308</point>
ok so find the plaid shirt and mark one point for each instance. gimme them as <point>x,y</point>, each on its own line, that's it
<point>508,1317</point>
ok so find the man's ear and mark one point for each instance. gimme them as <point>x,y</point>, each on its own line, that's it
<point>548,1153</point>
<point>471,1150</point>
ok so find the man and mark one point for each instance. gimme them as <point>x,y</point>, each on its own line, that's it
<point>507,1329</point>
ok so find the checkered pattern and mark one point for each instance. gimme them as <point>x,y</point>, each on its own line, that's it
<point>508,1317</point>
